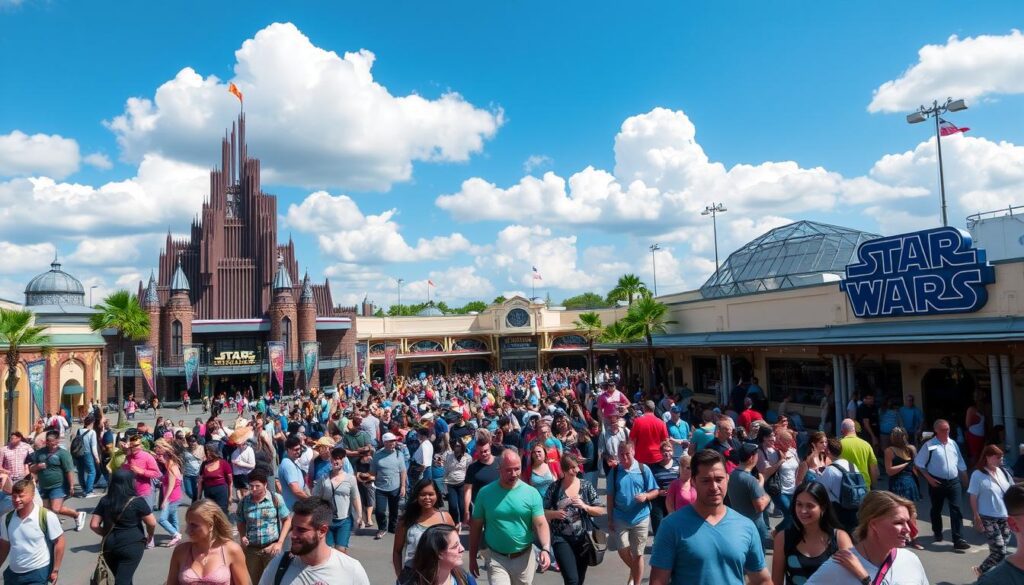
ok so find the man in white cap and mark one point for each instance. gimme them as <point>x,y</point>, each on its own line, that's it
<point>388,471</point>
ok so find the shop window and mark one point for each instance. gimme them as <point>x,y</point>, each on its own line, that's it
<point>707,375</point>
<point>883,379</point>
<point>802,381</point>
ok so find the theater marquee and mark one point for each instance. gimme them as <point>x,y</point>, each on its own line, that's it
<point>931,272</point>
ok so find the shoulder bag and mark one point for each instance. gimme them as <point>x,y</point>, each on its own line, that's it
<point>102,575</point>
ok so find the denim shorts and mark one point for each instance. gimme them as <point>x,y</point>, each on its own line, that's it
<point>340,533</point>
<point>56,493</point>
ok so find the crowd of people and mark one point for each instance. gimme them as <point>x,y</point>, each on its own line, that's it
<point>513,463</point>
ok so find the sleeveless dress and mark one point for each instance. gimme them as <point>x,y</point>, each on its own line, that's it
<point>800,567</point>
<point>221,576</point>
<point>903,484</point>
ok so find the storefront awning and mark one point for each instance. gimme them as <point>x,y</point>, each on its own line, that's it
<point>977,330</point>
<point>73,389</point>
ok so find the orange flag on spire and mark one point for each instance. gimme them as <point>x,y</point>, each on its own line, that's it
<point>232,88</point>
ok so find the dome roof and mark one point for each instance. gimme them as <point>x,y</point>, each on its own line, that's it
<point>430,311</point>
<point>797,254</point>
<point>54,287</point>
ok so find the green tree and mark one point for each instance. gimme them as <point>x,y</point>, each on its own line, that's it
<point>628,288</point>
<point>620,331</point>
<point>121,311</point>
<point>590,326</point>
<point>473,306</point>
<point>380,312</point>
<point>587,300</point>
<point>17,331</point>
<point>646,317</point>
<point>499,300</point>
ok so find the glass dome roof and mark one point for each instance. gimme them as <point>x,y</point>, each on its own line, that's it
<point>801,253</point>
<point>430,311</point>
<point>54,287</point>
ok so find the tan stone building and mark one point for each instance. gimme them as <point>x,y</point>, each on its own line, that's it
<point>515,335</point>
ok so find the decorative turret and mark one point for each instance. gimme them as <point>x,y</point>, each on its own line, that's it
<point>151,303</point>
<point>179,283</point>
<point>284,325</point>
<point>176,325</point>
<point>307,311</point>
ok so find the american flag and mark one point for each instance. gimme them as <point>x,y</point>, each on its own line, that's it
<point>430,283</point>
<point>536,274</point>
<point>948,129</point>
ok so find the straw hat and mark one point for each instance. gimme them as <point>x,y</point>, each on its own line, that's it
<point>241,435</point>
<point>324,442</point>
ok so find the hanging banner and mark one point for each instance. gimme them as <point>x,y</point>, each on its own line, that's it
<point>390,363</point>
<point>37,382</point>
<point>275,350</point>
<point>144,355</point>
<point>191,358</point>
<point>362,349</point>
<point>311,363</point>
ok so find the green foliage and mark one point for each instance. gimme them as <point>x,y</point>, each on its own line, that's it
<point>499,300</point>
<point>473,306</point>
<point>589,325</point>
<point>620,331</point>
<point>121,311</point>
<point>587,300</point>
<point>379,312</point>
<point>628,288</point>
<point>647,317</point>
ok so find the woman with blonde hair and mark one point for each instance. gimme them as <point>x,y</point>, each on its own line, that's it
<point>210,556</point>
<point>899,466</point>
<point>172,484</point>
<point>879,555</point>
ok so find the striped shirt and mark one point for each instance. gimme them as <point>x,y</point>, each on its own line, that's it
<point>13,460</point>
<point>262,519</point>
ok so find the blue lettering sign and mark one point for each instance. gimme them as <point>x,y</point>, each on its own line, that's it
<point>931,272</point>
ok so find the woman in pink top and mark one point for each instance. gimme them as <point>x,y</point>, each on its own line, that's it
<point>210,557</point>
<point>144,466</point>
<point>172,491</point>
<point>681,491</point>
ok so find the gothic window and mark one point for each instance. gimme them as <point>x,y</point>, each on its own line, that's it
<point>176,338</point>
<point>286,335</point>
<point>425,345</point>
<point>470,345</point>
<point>377,348</point>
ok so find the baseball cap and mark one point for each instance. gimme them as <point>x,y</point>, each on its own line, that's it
<point>678,409</point>
<point>745,452</point>
<point>389,437</point>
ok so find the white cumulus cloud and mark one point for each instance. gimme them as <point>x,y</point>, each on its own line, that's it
<point>969,68</point>
<point>98,160</point>
<point>314,117</point>
<point>45,154</point>
<point>346,234</point>
<point>28,258</point>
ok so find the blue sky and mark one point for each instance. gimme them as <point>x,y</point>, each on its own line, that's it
<point>641,115</point>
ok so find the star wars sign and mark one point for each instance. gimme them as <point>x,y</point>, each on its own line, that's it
<point>930,272</point>
<point>235,358</point>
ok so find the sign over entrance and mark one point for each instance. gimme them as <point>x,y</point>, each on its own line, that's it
<point>235,358</point>
<point>930,272</point>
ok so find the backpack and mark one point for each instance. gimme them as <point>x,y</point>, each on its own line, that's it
<point>852,488</point>
<point>78,444</point>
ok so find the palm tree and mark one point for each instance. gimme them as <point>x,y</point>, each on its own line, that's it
<point>17,331</point>
<point>647,317</point>
<point>627,288</point>
<point>590,326</point>
<point>121,311</point>
<point>619,332</point>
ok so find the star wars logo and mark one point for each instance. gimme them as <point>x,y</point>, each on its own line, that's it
<point>930,272</point>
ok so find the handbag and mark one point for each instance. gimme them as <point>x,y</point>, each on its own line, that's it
<point>102,575</point>
<point>772,485</point>
<point>597,544</point>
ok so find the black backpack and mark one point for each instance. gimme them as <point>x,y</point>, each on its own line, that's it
<point>78,444</point>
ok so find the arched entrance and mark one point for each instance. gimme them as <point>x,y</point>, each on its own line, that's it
<point>470,366</point>
<point>434,368</point>
<point>946,393</point>
<point>71,397</point>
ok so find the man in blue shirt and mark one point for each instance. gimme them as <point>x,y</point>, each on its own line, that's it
<point>678,432</point>
<point>292,479</point>
<point>708,543</point>
<point>631,490</point>
<point>912,419</point>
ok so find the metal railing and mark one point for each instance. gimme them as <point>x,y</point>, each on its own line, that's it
<point>1008,210</point>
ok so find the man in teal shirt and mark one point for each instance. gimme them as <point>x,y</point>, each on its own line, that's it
<point>708,543</point>
<point>510,516</point>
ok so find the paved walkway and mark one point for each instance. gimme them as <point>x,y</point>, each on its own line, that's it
<point>942,565</point>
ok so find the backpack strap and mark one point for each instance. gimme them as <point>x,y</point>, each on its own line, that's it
<point>282,568</point>
<point>883,570</point>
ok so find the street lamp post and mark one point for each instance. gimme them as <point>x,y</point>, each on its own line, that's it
<point>400,281</point>
<point>935,111</point>
<point>654,265</point>
<point>713,210</point>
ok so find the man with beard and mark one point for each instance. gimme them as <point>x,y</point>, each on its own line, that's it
<point>708,543</point>
<point>311,561</point>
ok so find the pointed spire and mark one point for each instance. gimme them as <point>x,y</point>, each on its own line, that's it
<point>281,280</point>
<point>307,289</point>
<point>55,265</point>
<point>179,282</point>
<point>151,299</point>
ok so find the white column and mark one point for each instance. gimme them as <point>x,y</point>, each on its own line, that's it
<point>851,379</point>
<point>995,379</point>
<point>1009,413</point>
<point>837,389</point>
